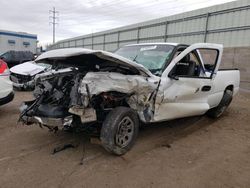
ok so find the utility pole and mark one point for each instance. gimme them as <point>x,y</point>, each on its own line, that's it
<point>54,19</point>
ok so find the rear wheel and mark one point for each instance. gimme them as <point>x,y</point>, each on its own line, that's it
<point>119,130</point>
<point>224,103</point>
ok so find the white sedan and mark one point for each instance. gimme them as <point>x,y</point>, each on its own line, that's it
<point>6,88</point>
<point>23,75</point>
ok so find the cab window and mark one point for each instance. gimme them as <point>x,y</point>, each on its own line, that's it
<point>199,63</point>
<point>189,66</point>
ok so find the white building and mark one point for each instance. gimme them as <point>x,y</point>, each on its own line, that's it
<point>18,41</point>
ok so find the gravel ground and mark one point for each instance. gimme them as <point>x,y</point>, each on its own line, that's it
<point>190,152</point>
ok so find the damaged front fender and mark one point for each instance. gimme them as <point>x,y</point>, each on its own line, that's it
<point>138,87</point>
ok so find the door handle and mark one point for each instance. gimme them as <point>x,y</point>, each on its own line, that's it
<point>206,88</point>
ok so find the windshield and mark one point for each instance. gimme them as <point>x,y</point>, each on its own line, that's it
<point>153,57</point>
<point>45,65</point>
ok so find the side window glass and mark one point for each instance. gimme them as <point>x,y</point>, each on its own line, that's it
<point>189,66</point>
<point>209,58</point>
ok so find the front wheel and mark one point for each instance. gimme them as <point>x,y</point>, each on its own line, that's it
<point>224,103</point>
<point>119,130</point>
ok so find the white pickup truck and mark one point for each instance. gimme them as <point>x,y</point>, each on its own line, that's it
<point>114,92</point>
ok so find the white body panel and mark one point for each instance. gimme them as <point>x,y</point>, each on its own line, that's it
<point>69,52</point>
<point>5,86</point>
<point>27,68</point>
<point>184,97</point>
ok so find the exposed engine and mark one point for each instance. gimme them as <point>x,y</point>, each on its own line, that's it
<point>58,101</point>
<point>84,89</point>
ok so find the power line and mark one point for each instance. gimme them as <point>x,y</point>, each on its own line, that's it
<point>54,18</point>
<point>131,13</point>
<point>126,11</point>
<point>105,10</point>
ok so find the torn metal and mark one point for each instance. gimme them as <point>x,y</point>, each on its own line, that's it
<point>88,94</point>
<point>138,88</point>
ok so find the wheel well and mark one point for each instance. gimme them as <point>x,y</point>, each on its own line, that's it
<point>230,87</point>
<point>110,99</point>
<point>106,101</point>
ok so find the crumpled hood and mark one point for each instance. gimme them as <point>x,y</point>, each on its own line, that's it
<point>69,52</point>
<point>27,68</point>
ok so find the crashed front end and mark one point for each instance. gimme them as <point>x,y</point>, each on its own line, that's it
<point>74,96</point>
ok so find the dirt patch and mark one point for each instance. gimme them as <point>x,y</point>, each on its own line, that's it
<point>190,152</point>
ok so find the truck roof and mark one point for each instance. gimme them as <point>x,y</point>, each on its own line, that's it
<point>154,43</point>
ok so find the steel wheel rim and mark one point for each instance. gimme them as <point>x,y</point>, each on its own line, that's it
<point>124,132</point>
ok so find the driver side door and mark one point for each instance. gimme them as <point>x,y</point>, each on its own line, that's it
<point>186,85</point>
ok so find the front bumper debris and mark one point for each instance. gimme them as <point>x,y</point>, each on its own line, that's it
<point>49,122</point>
<point>86,114</point>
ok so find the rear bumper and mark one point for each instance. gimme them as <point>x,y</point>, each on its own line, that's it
<point>7,99</point>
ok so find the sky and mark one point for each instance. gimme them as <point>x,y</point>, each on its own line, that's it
<point>79,17</point>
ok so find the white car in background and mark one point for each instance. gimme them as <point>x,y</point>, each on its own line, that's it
<point>23,75</point>
<point>6,88</point>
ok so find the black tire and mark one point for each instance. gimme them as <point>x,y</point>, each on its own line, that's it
<point>119,130</point>
<point>224,103</point>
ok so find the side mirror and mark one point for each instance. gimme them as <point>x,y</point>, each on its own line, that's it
<point>173,76</point>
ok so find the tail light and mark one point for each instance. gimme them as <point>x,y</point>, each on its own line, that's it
<point>4,70</point>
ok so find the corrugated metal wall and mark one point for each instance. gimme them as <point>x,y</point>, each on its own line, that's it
<point>228,24</point>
